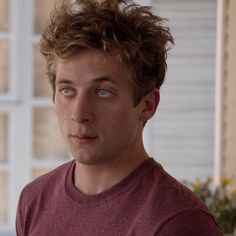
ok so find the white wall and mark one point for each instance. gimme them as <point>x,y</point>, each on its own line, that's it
<point>181,136</point>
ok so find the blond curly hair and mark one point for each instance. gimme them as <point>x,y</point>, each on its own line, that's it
<point>131,33</point>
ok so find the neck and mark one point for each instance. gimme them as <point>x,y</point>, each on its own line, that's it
<point>94,179</point>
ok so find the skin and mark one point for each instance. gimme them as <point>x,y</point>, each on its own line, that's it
<point>94,99</point>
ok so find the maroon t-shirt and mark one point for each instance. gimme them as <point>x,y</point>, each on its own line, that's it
<point>147,202</point>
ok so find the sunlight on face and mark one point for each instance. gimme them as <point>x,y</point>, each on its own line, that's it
<point>94,106</point>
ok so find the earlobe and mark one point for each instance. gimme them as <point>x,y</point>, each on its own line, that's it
<point>149,105</point>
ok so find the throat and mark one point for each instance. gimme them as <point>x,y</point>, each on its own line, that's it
<point>92,180</point>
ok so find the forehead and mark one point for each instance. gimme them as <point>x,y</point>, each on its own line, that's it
<point>90,65</point>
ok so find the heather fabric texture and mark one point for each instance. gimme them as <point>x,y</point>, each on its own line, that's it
<point>147,202</point>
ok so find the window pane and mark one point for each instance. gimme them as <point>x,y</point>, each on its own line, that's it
<point>4,13</point>
<point>4,58</point>
<point>36,172</point>
<point>48,143</point>
<point>3,137</point>
<point>42,9</point>
<point>3,197</point>
<point>42,88</point>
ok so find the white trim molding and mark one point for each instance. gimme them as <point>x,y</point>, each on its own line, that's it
<point>219,90</point>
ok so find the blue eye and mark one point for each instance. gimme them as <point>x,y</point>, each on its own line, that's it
<point>103,92</point>
<point>67,92</point>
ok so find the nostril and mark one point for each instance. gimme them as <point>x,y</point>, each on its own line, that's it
<point>81,105</point>
<point>82,118</point>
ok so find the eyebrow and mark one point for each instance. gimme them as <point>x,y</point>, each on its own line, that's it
<point>97,80</point>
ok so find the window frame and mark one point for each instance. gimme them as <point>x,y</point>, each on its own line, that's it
<point>18,103</point>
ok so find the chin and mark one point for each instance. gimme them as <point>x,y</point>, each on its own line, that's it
<point>88,160</point>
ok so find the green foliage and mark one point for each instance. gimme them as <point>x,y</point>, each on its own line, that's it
<point>221,200</point>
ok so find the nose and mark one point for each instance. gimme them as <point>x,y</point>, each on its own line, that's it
<point>82,111</point>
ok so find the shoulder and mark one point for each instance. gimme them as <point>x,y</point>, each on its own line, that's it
<point>40,194</point>
<point>182,212</point>
<point>47,182</point>
<point>173,192</point>
<point>190,222</point>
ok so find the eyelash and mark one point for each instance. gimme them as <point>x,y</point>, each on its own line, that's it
<point>107,92</point>
<point>69,90</point>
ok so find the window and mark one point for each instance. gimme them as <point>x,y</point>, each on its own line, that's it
<point>4,115</point>
<point>26,114</point>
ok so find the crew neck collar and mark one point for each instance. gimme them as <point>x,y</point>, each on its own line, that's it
<point>76,195</point>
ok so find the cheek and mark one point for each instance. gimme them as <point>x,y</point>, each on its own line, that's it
<point>62,127</point>
<point>123,121</point>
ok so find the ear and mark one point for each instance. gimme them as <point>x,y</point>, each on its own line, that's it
<point>149,104</point>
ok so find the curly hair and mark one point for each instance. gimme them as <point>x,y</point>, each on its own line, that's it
<point>131,33</point>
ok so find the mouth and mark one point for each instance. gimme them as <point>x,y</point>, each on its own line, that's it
<point>83,139</point>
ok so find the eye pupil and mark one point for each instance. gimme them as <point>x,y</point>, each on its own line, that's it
<point>102,91</point>
<point>67,91</point>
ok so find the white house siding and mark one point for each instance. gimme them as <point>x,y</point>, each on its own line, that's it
<point>181,134</point>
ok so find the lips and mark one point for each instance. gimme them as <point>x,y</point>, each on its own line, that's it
<point>83,138</point>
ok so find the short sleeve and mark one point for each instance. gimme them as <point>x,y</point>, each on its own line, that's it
<point>191,222</point>
<point>19,218</point>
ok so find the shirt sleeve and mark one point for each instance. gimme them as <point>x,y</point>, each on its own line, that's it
<point>19,218</point>
<point>192,222</point>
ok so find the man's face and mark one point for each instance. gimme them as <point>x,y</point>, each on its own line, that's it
<point>94,99</point>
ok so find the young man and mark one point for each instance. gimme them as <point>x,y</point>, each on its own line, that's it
<point>106,62</point>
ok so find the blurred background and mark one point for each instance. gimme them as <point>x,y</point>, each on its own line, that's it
<point>193,134</point>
